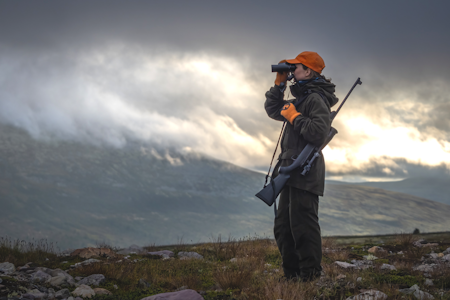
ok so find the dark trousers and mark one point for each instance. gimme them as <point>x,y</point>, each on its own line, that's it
<point>297,233</point>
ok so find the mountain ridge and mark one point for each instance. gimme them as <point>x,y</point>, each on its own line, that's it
<point>81,194</point>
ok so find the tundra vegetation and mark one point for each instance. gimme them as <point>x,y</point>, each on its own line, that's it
<point>248,268</point>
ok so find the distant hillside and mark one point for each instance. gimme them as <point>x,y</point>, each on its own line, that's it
<point>81,194</point>
<point>431,188</point>
<point>436,189</point>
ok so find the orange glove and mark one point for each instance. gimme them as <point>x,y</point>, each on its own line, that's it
<point>281,77</point>
<point>289,112</point>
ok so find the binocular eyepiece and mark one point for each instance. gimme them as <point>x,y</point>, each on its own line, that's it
<point>283,67</point>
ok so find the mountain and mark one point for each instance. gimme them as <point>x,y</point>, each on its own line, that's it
<point>81,194</point>
<point>433,188</point>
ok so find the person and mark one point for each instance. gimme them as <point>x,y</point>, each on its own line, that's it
<point>296,226</point>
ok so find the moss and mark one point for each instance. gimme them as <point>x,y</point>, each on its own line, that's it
<point>273,258</point>
<point>382,261</point>
<point>406,280</point>
<point>219,295</point>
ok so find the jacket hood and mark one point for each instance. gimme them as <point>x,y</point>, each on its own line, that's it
<point>319,85</point>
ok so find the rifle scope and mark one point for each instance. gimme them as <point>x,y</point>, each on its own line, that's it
<point>283,67</point>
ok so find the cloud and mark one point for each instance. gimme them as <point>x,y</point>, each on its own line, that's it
<point>104,98</point>
<point>194,75</point>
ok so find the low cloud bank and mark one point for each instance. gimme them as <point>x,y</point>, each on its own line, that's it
<point>212,104</point>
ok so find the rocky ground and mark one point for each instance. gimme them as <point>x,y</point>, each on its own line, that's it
<point>407,268</point>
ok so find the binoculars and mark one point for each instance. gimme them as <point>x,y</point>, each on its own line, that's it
<point>283,67</point>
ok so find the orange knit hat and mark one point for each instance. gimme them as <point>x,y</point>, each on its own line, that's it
<point>310,59</point>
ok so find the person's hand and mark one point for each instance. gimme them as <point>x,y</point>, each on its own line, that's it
<point>289,112</point>
<point>281,77</point>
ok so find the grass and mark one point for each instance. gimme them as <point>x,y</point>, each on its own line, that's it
<point>248,268</point>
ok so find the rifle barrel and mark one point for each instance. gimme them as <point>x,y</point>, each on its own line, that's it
<point>358,81</point>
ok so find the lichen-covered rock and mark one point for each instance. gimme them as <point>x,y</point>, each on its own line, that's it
<point>37,294</point>
<point>87,262</point>
<point>163,253</point>
<point>369,295</point>
<point>415,290</point>
<point>189,255</point>
<point>345,265</point>
<point>84,291</point>
<point>100,291</point>
<point>95,279</point>
<point>62,294</point>
<point>376,249</point>
<point>7,268</point>
<point>388,267</point>
<point>181,295</point>
<point>40,276</point>
<point>93,252</point>
<point>425,268</point>
<point>422,243</point>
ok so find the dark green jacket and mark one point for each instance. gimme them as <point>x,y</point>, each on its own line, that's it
<point>312,126</point>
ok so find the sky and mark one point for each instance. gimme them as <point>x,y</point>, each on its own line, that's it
<point>192,75</point>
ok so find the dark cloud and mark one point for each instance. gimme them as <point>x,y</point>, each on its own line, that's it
<point>56,55</point>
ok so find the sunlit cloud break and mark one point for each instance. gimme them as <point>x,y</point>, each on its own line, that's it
<point>198,101</point>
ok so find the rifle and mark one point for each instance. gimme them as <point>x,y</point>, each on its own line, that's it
<point>304,161</point>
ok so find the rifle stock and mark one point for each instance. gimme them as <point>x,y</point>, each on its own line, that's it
<point>273,189</point>
<point>305,159</point>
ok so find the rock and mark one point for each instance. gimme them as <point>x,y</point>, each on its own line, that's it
<point>7,268</point>
<point>341,276</point>
<point>370,257</point>
<point>144,284</point>
<point>40,276</point>
<point>415,290</point>
<point>362,264</point>
<point>359,279</point>
<point>116,287</point>
<point>100,291</point>
<point>345,265</point>
<point>429,282</point>
<point>446,257</point>
<point>163,253</point>
<point>388,267</point>
<point>369,295</point>
<point>189,255</point>
<point>70,298</point>
<point>93,252</point>
<point>37,294</point>
<point>51,293</point>
<point>84,291</point>
<point>87,262</point>
<point>62,294</point>
<point>425,268</point>
<point>234,259</point>
<point>57,280</point>
<point>375,249</point>
<point>440,255</point>
<point>28,296</point>
<point>447,251</point>
<point>132,249</point>
<point>422,243</point>
<point>60,277</point>
<point>181,295</point>
<point>95,279</point>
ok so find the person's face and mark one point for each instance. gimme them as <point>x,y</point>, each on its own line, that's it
<point>300,73</point>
